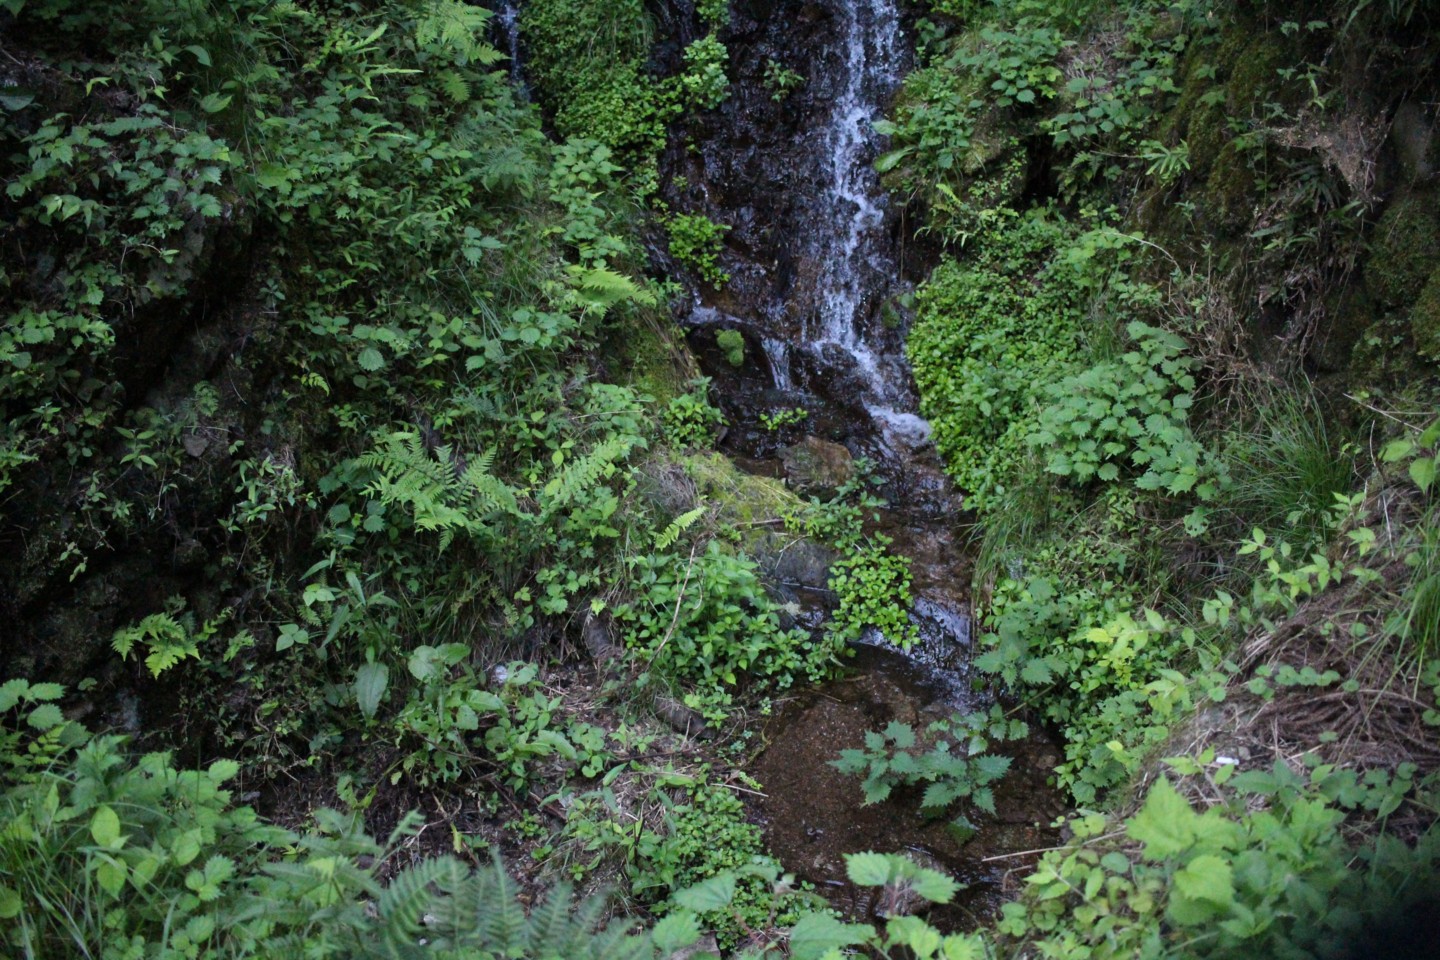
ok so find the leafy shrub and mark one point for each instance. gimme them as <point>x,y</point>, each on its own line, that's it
<point>1133,409</point>
<point>780,80</point>
<point>706,620</point>
<point>703,85</point>
<point>1266,871</point>
<point>989,335</point>
<point>690,419</point>
<point>697,242</point>
<point>872,586</point>
<point>890,760</point>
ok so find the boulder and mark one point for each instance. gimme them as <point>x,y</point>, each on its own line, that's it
<point>817,466</point>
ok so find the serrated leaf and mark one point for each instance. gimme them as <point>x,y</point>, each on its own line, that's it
<point>11,692</point>
<point>934,886</point>
<point>45,691</point>
<point>963,947</point>
<point>816,934</point>
<point>868,869</point>
<point>1207,877</point>
<point>1165,824</point>
<point>186,847</point>
<point>902,734</point>
<point>45,716</point>
<point>675,932</point>
<point>371,359</point>
<point>713,894</point>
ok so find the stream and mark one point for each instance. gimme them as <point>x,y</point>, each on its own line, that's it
<point>818,258</point>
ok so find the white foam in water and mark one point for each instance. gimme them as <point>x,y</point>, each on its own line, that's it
<point>910,429</point>
<point>940,650</point>
<point>852,248</point>
<point>777,355</point>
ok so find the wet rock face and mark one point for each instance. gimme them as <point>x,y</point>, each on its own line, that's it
<point>813,241</point>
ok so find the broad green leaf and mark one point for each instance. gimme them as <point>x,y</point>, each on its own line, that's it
<point>1165,824</point>
<point>105,826</point>
<point>913,932</point>
<point>111,876</point>
<point>934,886</point>
<point>713,894</point>
<point>45,716</point>
<point>1422,472</point>
<point>45,691</point>
<point>1207,877</point>
<point>10,903</point>
<point>371,360</point>
<point>11,692</point>
<point>186,847</point>
<point>370,683</point>
<point>675,932</point>
<point>818,933</point>
<point>902,734</point>
<point>222,770</point>
<point>963,947</point>
<point>869,869</point>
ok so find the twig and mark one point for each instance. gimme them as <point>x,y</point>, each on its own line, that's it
<point>679,599</point>
<point>1063,846</point>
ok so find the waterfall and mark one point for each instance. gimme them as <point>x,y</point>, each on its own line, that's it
<point>850,231</point>
<point>508,16</point>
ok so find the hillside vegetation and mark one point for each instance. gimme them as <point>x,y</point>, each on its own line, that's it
<point>372,587</point>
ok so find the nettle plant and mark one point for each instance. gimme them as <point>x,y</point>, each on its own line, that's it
<point>1265,870</point>
<point>949,758</point>
<point>1134,410</point>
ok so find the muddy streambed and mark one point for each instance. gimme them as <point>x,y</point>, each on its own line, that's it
<point>813,814</point>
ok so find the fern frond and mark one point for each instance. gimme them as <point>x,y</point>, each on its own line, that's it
<point>459,28</point>
<point>678,526</point>
<point>405,901</point>
<point>580,476</point>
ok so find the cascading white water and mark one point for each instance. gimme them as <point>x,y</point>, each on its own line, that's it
<point>509,17</point>
<point>852,237</point>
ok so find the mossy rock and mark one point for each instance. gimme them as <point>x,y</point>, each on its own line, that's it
<point>652,352</point>
<point>1425,318</point>
<point>1349,314</point>
<point>732,344</point>
<point>1227,197</point>
<point>1198,117</point>
<point>1255,77</point>
<point>744,500</point>
<point>1405,249</point>
<point>1415,141</point>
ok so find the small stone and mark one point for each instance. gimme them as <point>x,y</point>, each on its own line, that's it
<point>196,444</point>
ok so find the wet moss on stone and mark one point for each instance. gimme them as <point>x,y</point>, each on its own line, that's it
<point>1425,318</point>
<point>732,344</point>
<point>1228,195</point>
<point>1404,250</point>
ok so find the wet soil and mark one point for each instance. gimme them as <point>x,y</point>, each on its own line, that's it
<point>813,814</point>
